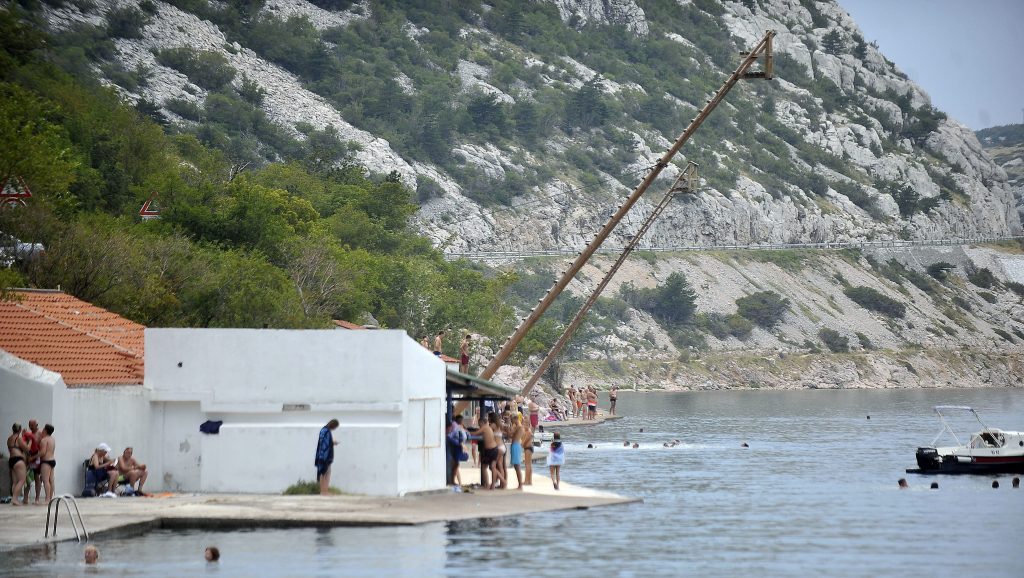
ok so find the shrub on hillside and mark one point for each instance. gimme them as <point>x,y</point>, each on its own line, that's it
<point>1016,287</point>
<point>126,22</point>
<point>987,296</point>
<point>869,298</point>
<point>1006,336</point>
<point>835,341</point>
<point>864,341</point>
<point>765,308</point>
<point>205,68</point>
<point>982,278</point>
<point>940,270</point>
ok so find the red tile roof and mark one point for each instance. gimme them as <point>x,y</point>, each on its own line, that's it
<point>87,345</point>
<point>347,324</point>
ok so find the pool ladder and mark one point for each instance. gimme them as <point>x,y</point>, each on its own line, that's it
<point>67,500</point>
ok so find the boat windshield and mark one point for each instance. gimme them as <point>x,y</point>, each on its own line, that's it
<point>988,439</point>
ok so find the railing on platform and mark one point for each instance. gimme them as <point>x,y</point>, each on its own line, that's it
<point>889,244</point>
<point>65,499</point>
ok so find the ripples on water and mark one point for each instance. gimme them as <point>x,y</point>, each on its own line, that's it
<point>814,495</point>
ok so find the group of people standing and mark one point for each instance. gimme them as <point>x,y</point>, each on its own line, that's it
<point>31,453</point>
<point>439,343</point>
<point>583,402</point>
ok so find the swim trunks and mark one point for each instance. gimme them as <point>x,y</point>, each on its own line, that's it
<point>516,454</point>
<point>592,407</point>
<point>14,460</point>
<point>465,360</point>
<point>51,463</point>
<point>534,420</point>
<point>488,456</point>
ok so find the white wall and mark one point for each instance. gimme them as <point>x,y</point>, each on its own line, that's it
<point>26,392</point>
<point>83,417</point>
<point>366,379</point>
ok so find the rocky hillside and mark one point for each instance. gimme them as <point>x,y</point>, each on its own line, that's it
<point>1005,144</point>
<point>523,123</point>
<point>932,317</point>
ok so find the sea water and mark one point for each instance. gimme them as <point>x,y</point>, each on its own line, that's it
<point>814,494</point>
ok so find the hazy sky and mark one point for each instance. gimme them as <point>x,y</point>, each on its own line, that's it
<point>968,55</point>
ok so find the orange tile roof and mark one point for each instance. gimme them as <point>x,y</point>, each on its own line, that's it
<point>87,345</point>
<point>347,324</point>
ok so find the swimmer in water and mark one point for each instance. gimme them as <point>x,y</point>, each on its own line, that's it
<point>636,445</point>
<point>212,554</point>
<point>91,554</point>
<point>625,444</point>
<point>903,483</point>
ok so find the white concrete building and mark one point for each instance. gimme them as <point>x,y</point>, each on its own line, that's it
<point>275,389</point>
<point>272,389</point>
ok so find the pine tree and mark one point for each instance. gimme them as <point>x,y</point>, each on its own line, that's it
<point>833,43</point>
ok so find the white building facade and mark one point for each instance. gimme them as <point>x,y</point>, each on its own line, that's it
<point>273,390</point>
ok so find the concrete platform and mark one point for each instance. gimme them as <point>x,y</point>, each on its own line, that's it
<point>24,525</point>
<point>601,418</point>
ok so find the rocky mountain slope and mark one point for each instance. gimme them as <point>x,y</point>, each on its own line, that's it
<point>521,125</point>
<point>1005,144</point>
<point>825,152</point>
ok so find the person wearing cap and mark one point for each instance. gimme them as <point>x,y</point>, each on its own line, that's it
<point>101,466</point>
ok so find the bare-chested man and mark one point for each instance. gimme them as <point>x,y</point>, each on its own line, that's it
<point>534,413</point>
<point>132,470</point>
<point>516,453</point>
<point>488,453</point>
<point>526,439</point>
<point>438,341</point>
<point>591,403</point>
<point>572,401</point>
<point>464,354</point>
<point>47,449</point>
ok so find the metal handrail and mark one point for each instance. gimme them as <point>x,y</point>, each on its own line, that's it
<point>64,499</point>
<point>887,244</point>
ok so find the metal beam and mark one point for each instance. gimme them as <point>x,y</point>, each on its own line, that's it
<point>527,322</point>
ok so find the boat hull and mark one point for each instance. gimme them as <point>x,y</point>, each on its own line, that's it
<point>930,461</point>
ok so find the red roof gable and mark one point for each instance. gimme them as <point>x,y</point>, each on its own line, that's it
<point>347,324</point>
<point>87,345</point>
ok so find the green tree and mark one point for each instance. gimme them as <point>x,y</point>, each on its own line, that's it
<point>764,308</point>
<point>32,145</point>
<point>834,43</point>
<point>673,302</point>
<point>586,107</point>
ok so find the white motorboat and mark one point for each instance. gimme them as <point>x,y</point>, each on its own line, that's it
<point>988,451</point>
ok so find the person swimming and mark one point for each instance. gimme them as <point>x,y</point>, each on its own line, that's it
<point>91,554</point>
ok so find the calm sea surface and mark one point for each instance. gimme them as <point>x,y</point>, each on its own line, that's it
<point>814,495</point>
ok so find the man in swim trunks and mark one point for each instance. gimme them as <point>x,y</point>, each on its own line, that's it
<point>613,396</point>
<point>464,355</point>
<point>438,340</point>
<point>534,414</point>
<point>132,471</point>
<point>488,453</point>
<point>47,449</point>
<point>591,403</point>
<point>516,450</point>
<point>17,447</point>
<point>527,442</point>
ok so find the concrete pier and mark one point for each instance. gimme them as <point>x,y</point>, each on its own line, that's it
<point>24,525</point>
